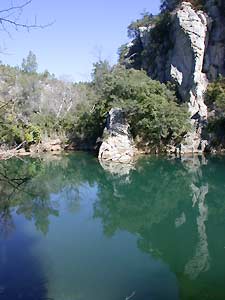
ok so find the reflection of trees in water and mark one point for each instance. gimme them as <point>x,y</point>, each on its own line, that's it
<point>147,199</point>
<point>165,205</point>
<point>6,222</point>
<point>30,186</point>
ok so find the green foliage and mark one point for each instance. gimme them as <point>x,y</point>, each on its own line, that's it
<point>14,132</point>
<point>157,43</point>
<point>123,52</point>
<point>215,100</point>
<point>33,105</point>
<point>216,94</point>
<point>32,134</point>
<point>89,128</point>
<point>168,5</point>
<point>146,20</point>
<point>29,64</point>
<point>36,106</point>
<point>154,116</point>
<point>100,69</point>
<point>160,42</point>
<point>216,130</point>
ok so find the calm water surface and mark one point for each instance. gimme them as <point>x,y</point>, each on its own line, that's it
<point>75,230</point>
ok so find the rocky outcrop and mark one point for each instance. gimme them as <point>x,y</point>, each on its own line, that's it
<point>186,65</point>
<point>117,145</point>
<point>191,54</point>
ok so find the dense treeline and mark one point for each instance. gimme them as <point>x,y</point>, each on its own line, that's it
<point>36,106</point>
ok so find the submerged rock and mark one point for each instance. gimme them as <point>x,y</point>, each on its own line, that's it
<point>118,145</point>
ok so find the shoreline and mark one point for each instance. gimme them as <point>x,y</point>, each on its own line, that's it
<point>8,154</point>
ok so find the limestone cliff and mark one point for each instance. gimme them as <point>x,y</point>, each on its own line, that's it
<point>185,68</point>
<point>117,143</point>
<point>190,53</point>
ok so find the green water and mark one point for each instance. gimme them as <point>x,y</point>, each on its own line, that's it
<point>73,229</point>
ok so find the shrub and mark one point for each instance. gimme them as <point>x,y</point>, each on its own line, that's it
<point>146,20</point>
<point>32,134</point>
<point>154,116</point>
<point>215,99</point>
<point>215,94</point>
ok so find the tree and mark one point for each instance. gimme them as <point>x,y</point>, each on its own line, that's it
<point>146,20</point>
<point>169,5</point>
<point>101,68</point>
<point>29,64</point>
<point>155,119</point>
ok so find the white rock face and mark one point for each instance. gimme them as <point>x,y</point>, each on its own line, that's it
<point>117,143</point>
<point>190,38</point>
<point>191,54</point>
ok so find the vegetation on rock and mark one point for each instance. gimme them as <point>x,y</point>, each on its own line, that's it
<point>36,106</point>
<point>215,100</point>
<point>154,116</point>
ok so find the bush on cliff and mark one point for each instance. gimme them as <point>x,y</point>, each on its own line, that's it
<point>215,100</point>
<point>151,109</point>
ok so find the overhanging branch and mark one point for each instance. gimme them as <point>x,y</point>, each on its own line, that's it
<point>18,7</point>
<point>11,16</point>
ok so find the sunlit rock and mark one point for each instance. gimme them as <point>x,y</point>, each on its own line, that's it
<point>118,145</point>
<point>190,39</point>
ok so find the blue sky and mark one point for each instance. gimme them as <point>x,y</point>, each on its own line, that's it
<point>83,32</point>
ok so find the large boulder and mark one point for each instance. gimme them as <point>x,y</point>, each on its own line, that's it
<point>117,145</point>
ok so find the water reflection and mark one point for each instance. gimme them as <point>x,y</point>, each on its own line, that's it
<point>173,208</point>
<point>167,205</point>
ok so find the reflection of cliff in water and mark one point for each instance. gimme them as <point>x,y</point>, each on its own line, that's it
<point>200,261</point>
<point>175,208</point>
<point>168,205</point>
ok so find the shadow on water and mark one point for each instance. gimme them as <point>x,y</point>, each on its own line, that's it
<point>174,207</point>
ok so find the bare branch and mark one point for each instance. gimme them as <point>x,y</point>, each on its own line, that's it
<point>27,26</point>
<point>19,7</point>
<point>11,16</point>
